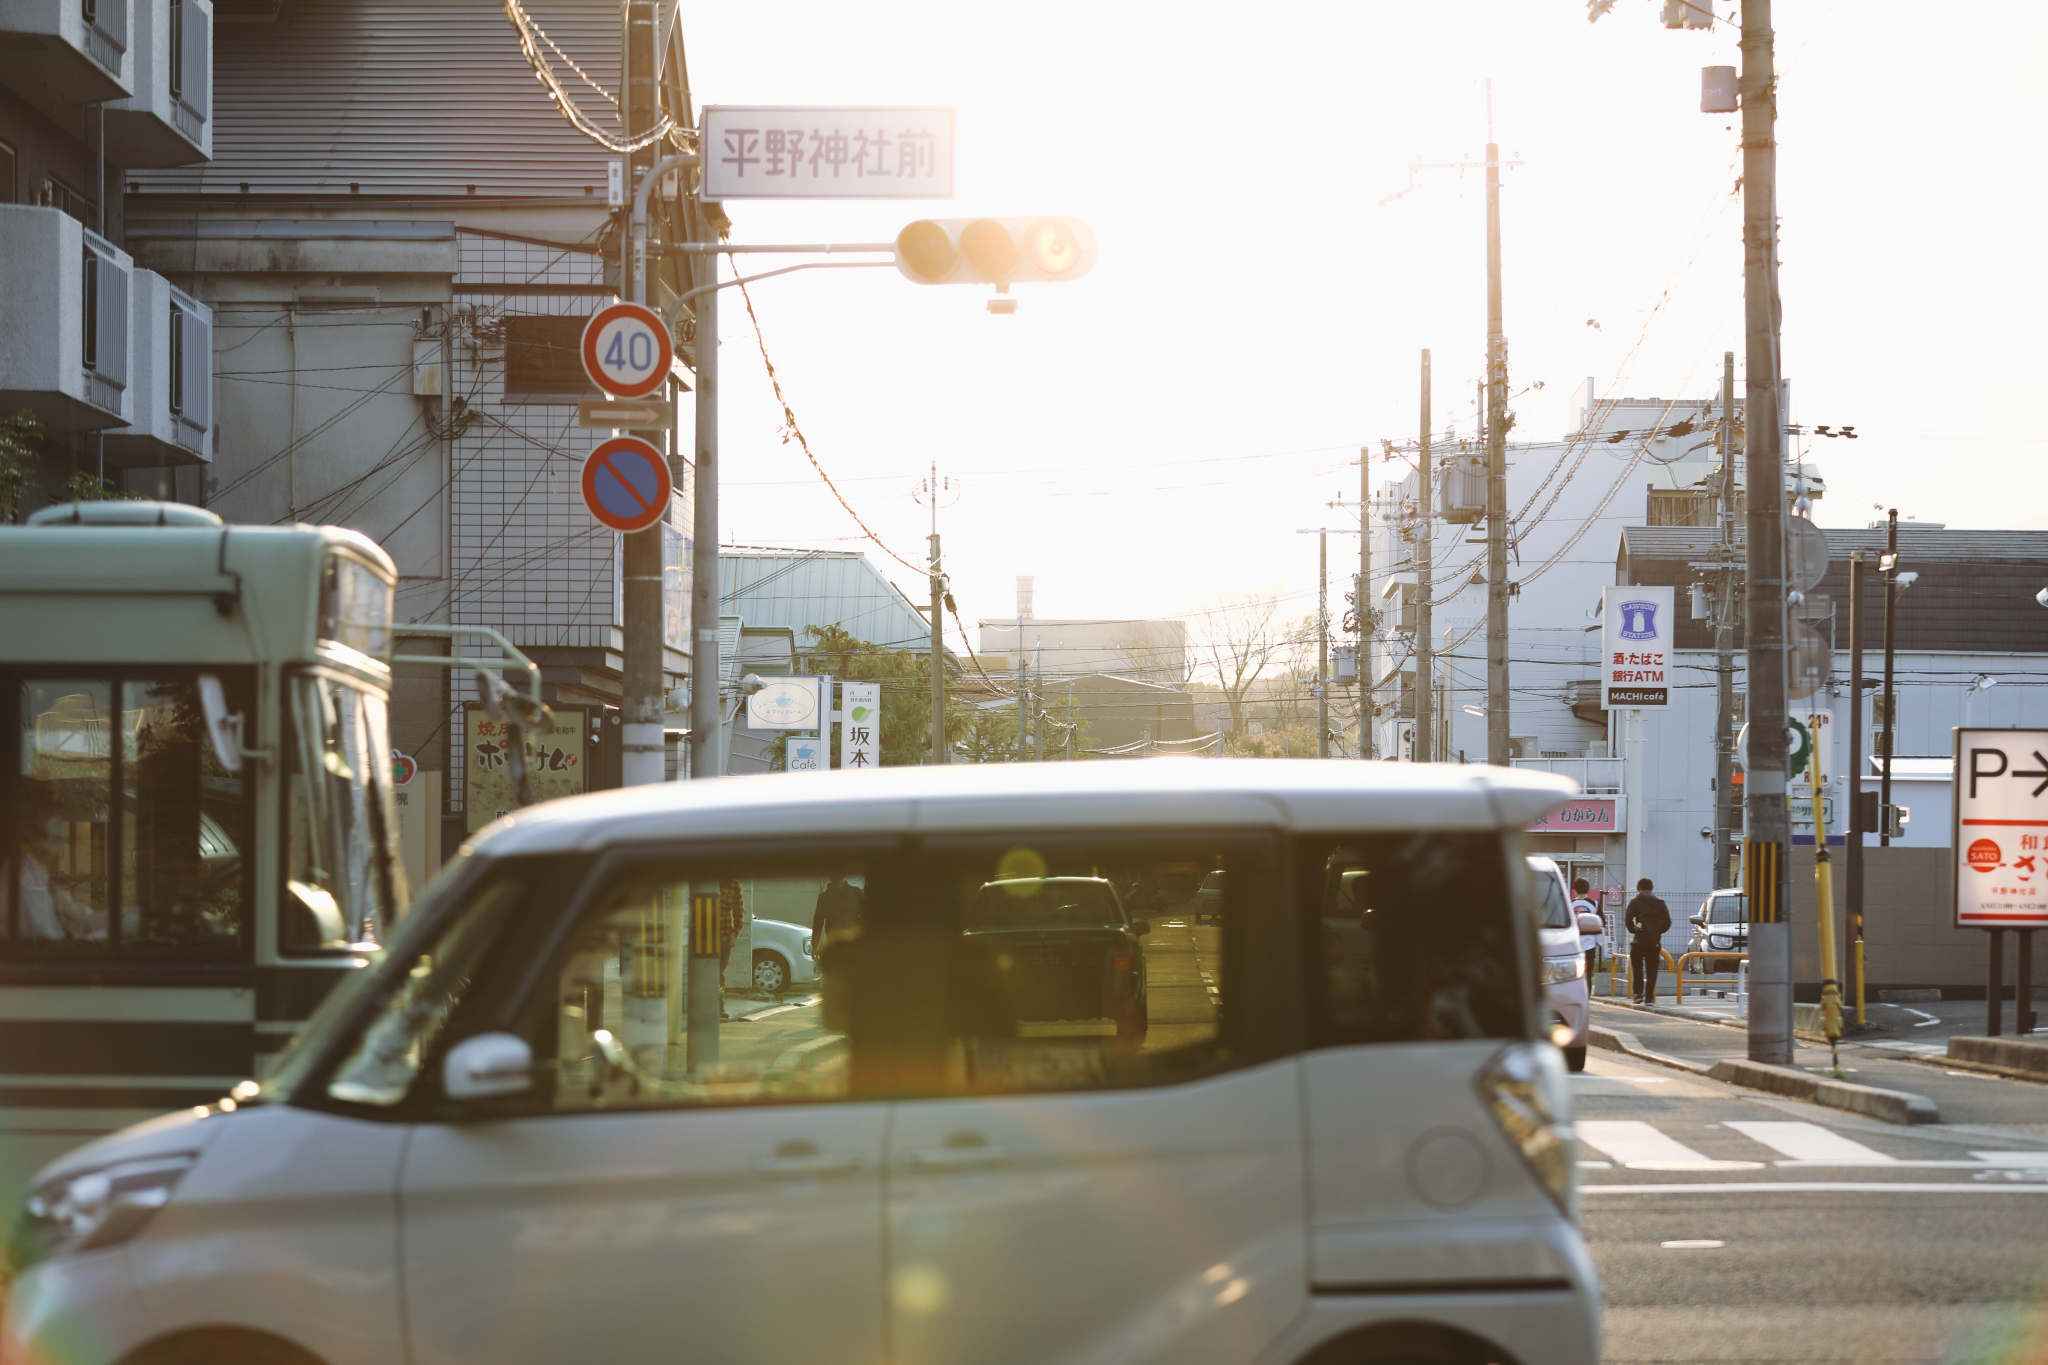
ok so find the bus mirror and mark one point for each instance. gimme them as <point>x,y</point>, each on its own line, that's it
<point>220,724</point>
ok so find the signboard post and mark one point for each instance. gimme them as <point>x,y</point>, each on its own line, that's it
<point>809,152</point>
<point>860,725</point>
<point>2000,842</point>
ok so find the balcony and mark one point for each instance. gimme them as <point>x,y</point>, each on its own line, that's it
<point>65,55</point>
<point>1596,776</point>
<point>167,121</point>
<point>65,349</point>
<point>170,404</point>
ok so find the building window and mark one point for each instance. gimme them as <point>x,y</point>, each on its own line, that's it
<point>177,48</point>
<point>1679,508</point>
<point>177,361</point>
<point>544,360</point>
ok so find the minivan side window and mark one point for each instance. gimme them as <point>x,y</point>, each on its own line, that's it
<point>1416,937</point>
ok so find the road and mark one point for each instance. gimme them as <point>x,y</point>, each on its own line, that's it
<point>1731,1226</point>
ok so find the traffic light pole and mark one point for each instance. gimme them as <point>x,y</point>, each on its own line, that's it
<point>1367,744</point>
<point>1724,639</point>
<point>1425,659</point>
<point>1768,825</point>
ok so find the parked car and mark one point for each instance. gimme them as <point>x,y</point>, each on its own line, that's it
<point>1564,962</point>
<point>519,1133</point>
<point>1721,926</point>
<point>1209,897</point>
<point>782,956</point>
<point>1062,948</point>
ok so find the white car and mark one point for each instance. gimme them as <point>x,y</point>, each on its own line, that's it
<point>522,1133</point>
<point>782,956</point>
<point>1564,962</point>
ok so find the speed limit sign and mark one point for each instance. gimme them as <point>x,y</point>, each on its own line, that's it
<point>627,351</point>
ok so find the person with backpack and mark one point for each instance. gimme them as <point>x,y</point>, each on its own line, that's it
<point>1647,920</point>
<point>1582,904</point>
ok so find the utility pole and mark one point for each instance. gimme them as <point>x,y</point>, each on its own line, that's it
<point>1425,662</point>
<point>1496,468</point>
<point>933,488</point>
<point>1768,824</point>
<point>1367,743</point>
<point>641,739</point>
<point>1724,639</point>
<point>1323,645</point>
<point>1886,745</point>
<point>1854,852</point>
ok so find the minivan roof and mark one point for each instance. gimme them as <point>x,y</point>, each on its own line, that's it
<point>1157,794</point>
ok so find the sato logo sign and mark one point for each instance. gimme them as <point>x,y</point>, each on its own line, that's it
<point>2001,829</point>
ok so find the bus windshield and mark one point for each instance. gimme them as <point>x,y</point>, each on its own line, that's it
<point>342,883</point>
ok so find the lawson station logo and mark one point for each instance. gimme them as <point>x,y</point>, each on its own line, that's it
<point>1638,620</point>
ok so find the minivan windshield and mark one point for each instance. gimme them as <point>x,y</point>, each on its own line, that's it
<point>1557,913</point>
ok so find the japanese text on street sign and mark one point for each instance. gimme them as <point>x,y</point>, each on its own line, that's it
<point>860,725</point>
<point>759,152</point>
<point>784,704</point>
<point>627,350</point>
<point>2001,830</point>
<point>1635,663</point>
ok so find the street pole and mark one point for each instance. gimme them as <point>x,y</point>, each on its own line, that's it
<point>1367,743</point>
<point>939,754</point>
<point>1425,663</point>
<point>1724,640</point>
<point>641,740</point>
<point>1767,824</point>
<point>1496,468</point>
<point>1323,644</point>
<point>1886,745</point>
<point>1854,852</point>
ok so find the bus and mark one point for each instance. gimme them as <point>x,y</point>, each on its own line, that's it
<point>198,831</point>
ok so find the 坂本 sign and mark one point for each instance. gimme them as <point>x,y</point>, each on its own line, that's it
<point>2001,829</point>
<point>769,152</point>
<point>860,725</point>
<point>1635,664</point>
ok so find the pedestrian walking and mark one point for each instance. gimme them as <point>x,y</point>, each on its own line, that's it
<point>1647,920</point>
<point>1582,904</point>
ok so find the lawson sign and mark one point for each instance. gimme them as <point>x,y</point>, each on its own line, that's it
<point>1586,815</point>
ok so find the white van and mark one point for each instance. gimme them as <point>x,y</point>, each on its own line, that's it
<point>1025,1123</point>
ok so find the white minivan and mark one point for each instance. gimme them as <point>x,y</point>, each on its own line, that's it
<point>1023,1123</point>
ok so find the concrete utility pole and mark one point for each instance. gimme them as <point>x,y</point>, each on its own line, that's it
<point>1425,659</point>
<point>1767,822</point>
<point>641,703</point>
<point>1496,468</point>
<point>1854,853</point>
<point>1323,645</point>
<point>938,650</point>
<point>1888,744</point>
<point>1367,743</point>
<point>1725,811</point>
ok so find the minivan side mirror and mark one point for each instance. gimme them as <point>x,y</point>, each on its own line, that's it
<point>1591,923</point>
<point>1699,920</point>
<point>486,1065</point>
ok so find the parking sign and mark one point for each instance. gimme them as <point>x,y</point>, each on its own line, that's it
<point>2001,829</point>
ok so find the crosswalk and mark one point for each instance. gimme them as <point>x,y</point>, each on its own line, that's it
<point>1637,1145</point>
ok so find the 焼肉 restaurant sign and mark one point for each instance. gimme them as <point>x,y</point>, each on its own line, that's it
<point>1585,815</point>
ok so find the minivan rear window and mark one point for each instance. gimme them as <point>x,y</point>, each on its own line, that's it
<point>1416,937</point>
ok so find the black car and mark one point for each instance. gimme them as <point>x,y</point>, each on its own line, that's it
<point>1064,949</point>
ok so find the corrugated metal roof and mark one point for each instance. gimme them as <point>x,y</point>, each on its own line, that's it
<point>800,589</point>
<point>400,97</point>
<point>1975,591</point>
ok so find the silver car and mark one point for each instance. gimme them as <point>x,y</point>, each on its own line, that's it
<point>782,956</point>
<point>1721,926</point>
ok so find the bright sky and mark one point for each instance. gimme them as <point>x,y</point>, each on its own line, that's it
<point>1148,440</point>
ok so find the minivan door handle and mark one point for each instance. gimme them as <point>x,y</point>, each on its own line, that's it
<point>803,1159</point>
<point>962,1151</point>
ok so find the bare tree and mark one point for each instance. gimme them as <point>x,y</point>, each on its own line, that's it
<point>1238,639</point>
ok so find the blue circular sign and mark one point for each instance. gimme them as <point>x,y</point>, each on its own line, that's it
<point>626,484</point>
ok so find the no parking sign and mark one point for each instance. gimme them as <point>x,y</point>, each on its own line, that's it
<point>626,484</point>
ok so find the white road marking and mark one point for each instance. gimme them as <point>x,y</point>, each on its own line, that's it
<point>1641,1147</point>
<point>1811,1142</point>
<point>1695,1244</point>
<point>2012,1158</point>
<point>1925,1019</point>
<point>1596,1165</point>
<point>1816,1187</point>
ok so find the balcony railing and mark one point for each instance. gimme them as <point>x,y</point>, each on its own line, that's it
<point>1595,775</point>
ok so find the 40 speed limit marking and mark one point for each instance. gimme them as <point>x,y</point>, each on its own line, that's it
<point>627,350</point>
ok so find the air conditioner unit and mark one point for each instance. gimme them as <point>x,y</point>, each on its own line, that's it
<point>1522,746</point>
<point>171,400</point>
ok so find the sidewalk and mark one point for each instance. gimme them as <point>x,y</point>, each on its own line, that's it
<point>1964,1097</point>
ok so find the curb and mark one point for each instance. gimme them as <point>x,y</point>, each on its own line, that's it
<point>2005,1054</point>
<point>1616,1040</point>
<point>1891,1106</point>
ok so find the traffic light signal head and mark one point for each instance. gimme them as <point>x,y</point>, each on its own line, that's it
<point>997,251</point>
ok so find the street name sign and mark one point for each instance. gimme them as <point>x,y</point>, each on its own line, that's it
<point>626,414</point>
<point>2000,836</point>
<point>860,725</point>
<point>626,484</point>
<point>627,350</point>
<point>784,704</point>
<point>834,152</point>
<point>1635,664</point>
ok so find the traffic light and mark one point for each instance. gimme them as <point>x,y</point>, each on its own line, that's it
<point>997,251</point>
